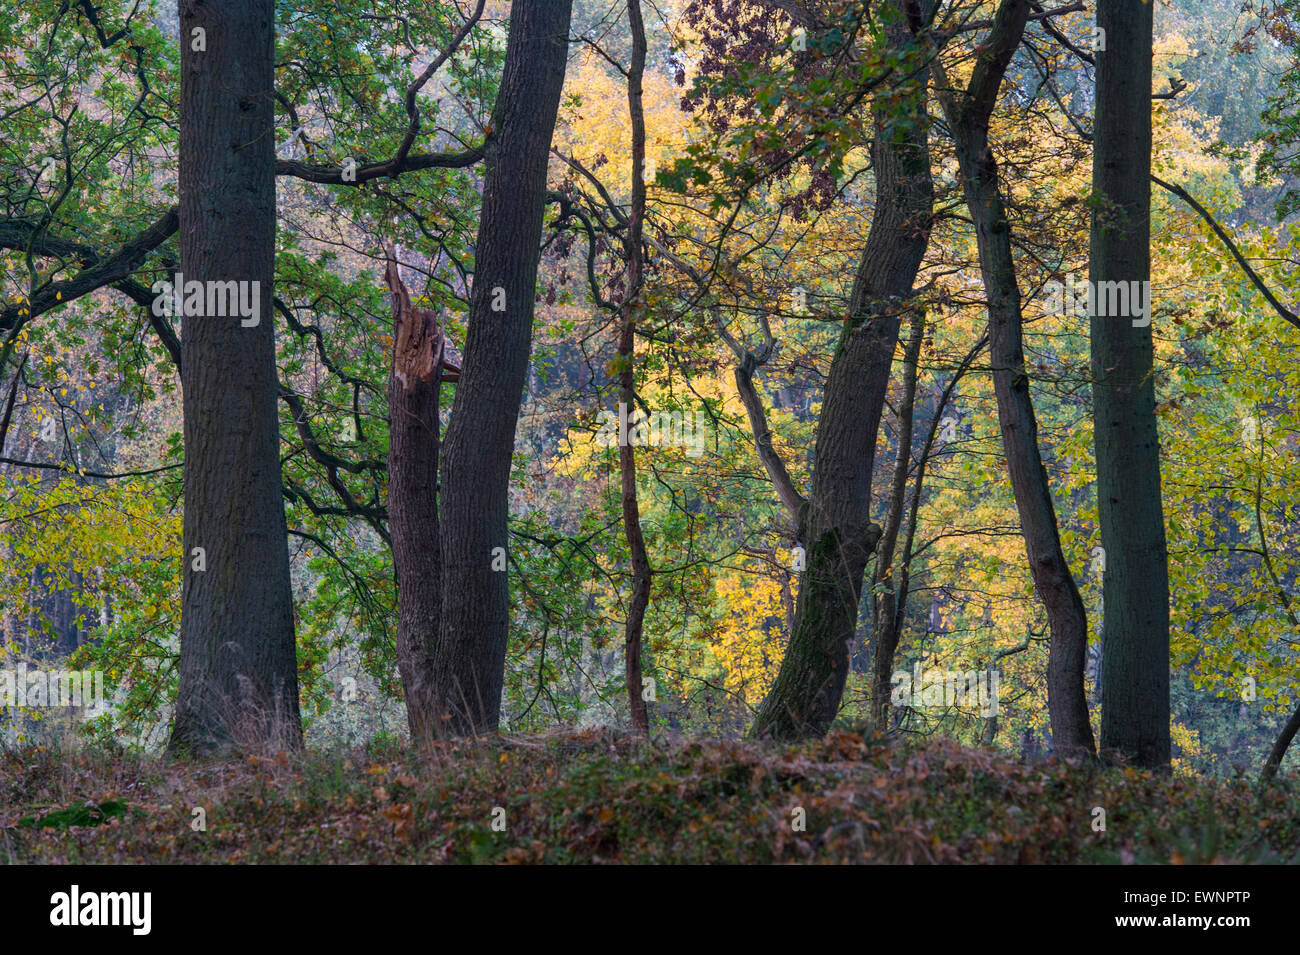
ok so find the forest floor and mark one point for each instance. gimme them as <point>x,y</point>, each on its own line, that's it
<point>605,797</point>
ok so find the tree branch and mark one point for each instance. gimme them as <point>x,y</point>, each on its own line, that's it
<point>747,361</point>
<point>1251,274</point>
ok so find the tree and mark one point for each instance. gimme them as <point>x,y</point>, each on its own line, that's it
<point>834,521</point>
<point>1135,657</point>
<point>469,655</point>
<point>968,111</point>
<point>414,386</point>
<point>238,672</point>
<point>641,573</point>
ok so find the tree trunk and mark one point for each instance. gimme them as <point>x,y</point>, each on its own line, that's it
<point>1278,752</point>
<point>887,620</point>
<point>1135,586</point>
<point>835,523</point>
<point>238,669</point>
<point>968,115</point>
<point>469,657</point>
<point>640,598</point>
<point>413,393</point>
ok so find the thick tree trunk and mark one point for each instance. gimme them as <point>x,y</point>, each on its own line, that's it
<point>835,525</point>
<point>640,598</point>
<point>414,383</point>
<point>968,115</point>
<point>1135,587</point>
<point>469,658</point>
<point>238,670</point>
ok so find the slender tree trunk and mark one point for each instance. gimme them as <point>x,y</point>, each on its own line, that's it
<point>469,658</point>
<point>887,621</point>
<point>414,383</point>
<point>900,588</point>
<point>1135,586</point>
<point>968,115</point>
<point>7,415</point>
<point>834,524</point>
<point>640,598</point>
<point>238,670</point>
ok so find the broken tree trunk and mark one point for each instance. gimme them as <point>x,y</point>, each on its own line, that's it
<point>414,383</point>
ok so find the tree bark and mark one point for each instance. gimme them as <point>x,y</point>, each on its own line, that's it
<point>1280,746</point>
<point>835,524</point>
<point>414,383</point>
<point>968,113</point>
<point>640,598</point>
<point>469,656</point>
<point>887,620</point>
<point>238,670</point>
<point>1135,586</point>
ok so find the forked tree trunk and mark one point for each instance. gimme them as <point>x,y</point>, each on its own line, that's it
<point>886,624</point>
<point>835,522</point>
